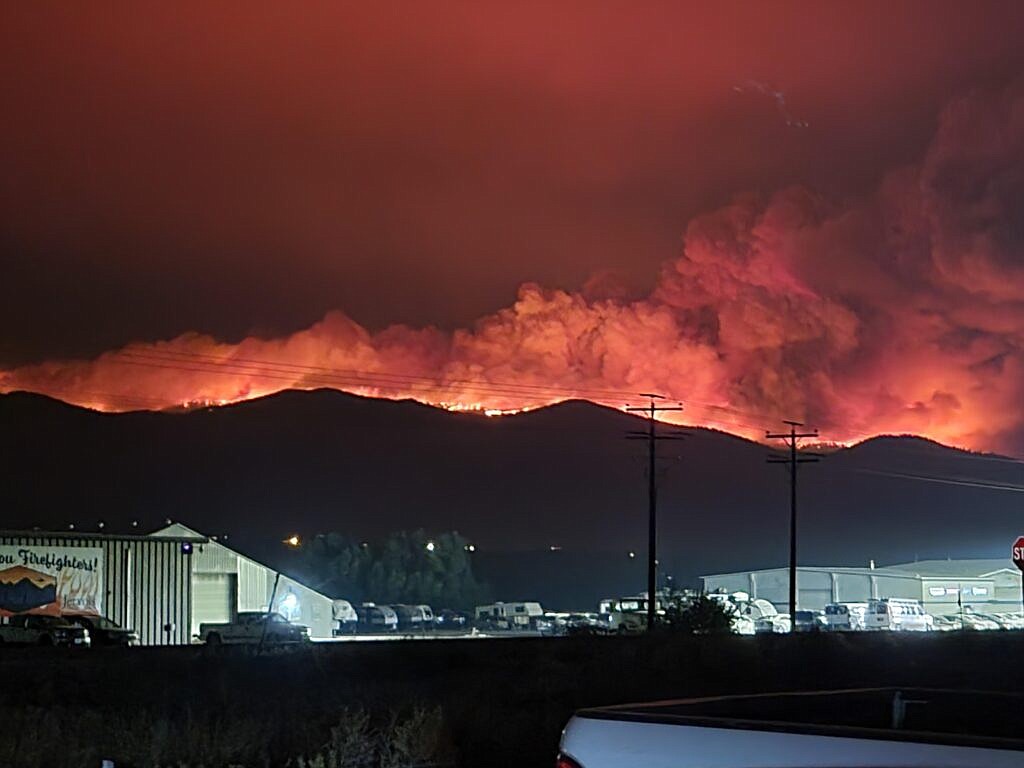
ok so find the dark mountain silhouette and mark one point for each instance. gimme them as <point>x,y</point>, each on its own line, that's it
<point>561,477</point>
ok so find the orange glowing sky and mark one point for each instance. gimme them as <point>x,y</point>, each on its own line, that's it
<point>496,207</point>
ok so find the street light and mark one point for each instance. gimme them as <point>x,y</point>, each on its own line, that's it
<point>293,541</point>
<point>470,548</point>
<point>430,546</point>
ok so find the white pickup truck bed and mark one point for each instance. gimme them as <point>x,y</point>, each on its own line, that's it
<point>872,728</point>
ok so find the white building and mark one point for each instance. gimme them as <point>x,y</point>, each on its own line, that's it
<point>225,582</point>
<point>941,585</point>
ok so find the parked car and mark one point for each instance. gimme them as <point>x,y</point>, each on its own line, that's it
<point>252,627</point>
<point>898,614</point>
<point>449,619</point>
<point>592,624</point>
<point>375,618</point>
<point>1009,620</point>
<point>43,630</point>
<point>778,624</point>
<point>548,626</point>
<point>581,620</point>
<point>345,618</point>
<point>866,728</point>
<point>846,617</point>
<point>627,615</point>
<point>105,633</point>
<point>1001,620</point>
<point>978,623</point>
<point>627,622</point>
<point>809,621</point>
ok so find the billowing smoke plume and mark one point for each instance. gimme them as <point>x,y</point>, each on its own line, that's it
<point>899,313</point>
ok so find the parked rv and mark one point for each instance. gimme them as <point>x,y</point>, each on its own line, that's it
<point>635,604</point>
<point>375,618</point>
<point>345,618</point>
<point>628,615</point>
<point>509,616</point>
<point>414,618</point>
<point>760,614</point>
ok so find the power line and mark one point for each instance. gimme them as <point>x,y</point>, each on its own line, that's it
<point>652,438</point>
<point>297,374</point>
<point>342,378</point>
<point>791,439</point>
<point>965,482</point>
<point>241,366</point>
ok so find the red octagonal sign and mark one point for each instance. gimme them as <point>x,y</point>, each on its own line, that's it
<point>1018,552</point>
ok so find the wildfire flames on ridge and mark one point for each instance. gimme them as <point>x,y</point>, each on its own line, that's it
<point>899,312</point>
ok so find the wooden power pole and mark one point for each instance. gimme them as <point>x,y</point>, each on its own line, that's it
<point>652,437</point>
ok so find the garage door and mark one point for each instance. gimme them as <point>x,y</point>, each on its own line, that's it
<point>214,597</point>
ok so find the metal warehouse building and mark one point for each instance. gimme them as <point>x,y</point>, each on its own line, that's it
<point>162,585</point>
<point>224,582</point>
<point>985,585</point>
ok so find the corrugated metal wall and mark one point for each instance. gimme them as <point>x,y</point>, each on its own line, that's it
<point>817,586</point>
<point>254,584</point>
<point>147,582</point>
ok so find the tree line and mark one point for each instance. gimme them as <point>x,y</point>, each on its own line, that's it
<point>405,567</point>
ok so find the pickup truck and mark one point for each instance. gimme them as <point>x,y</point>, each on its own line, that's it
<point>866,728</point>
<point>42,630</point>
<point>248,629</point>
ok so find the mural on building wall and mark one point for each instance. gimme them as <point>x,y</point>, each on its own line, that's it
<point>288,605</point>
<point>51,580</point>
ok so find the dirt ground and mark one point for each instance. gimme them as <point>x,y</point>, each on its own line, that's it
<point>476,703</point>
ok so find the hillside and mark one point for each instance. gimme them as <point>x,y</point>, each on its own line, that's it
<point>562,476</point>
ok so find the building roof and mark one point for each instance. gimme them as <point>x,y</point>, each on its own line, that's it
<point>967,569</point>
<point>188,535</point>
<point>940,569</point>
<point>180,530</point>
<point>858,570</point>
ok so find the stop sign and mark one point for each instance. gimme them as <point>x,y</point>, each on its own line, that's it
<point>1018,552</point>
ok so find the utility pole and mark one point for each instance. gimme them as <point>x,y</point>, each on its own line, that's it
<point>270,610</point>
<point>791,439</point>
<point>652,438</point>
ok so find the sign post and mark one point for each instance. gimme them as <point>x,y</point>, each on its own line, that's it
<point>1017,555</point>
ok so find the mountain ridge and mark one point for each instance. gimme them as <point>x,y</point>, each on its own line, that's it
<point>562,476</point>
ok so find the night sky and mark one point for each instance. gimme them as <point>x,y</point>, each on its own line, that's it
<point>788,209</point>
